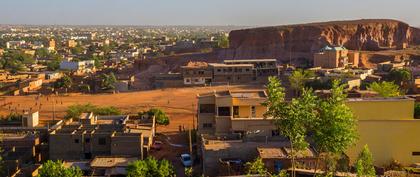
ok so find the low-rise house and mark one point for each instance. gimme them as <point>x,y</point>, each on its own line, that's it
<point>336,57</point>
<point>197,73</point>
<point>94,136</point>
<point>78,67</point>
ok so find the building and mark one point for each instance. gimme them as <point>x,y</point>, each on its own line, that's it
<point>71,43</point>
<point>197,73</point>
<point>79,67</point>
<point>51,45</point>
<point>167,80</point>
<point>388,127</point>
<point>14,44</point>
<point>94,136</point>
<point>335,57</point>
<point>232,73</point>
<point>262,68</point>
<point>228,112</point>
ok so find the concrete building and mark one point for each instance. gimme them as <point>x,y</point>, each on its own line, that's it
<point>228,112</point>
<point>79,67</point>
<point>93,136</point>
<point>335,57</point>
<point>51,45</point>
<point>71,43</point>
<point>262,68</point>
<point>197,73</point>
<point>232,73</point>
<point>386,125</point>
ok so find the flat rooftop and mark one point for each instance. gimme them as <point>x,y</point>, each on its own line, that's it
<point>401,98</point>
<point>230,65</point>
<point>108,162</point>
<point>250,60</point>
<point>237,94</point>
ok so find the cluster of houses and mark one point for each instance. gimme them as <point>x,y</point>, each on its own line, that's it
<point>233,129</point>
<point>87,142</point>
<point>245,71</point>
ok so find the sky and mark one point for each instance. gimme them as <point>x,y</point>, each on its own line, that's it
<point>202,12</point>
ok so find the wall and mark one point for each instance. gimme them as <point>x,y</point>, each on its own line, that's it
<point>388,140</point>
<point>388,109</point>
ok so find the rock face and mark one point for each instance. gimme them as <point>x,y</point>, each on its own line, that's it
<point>301,41</point>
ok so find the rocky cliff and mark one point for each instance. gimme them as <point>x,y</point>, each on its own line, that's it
<point>301,41</point>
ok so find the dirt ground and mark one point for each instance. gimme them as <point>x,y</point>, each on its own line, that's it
<point>179,103</point>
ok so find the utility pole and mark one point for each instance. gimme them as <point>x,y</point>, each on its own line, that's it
<point>193,115</point>
<point>191,155</point>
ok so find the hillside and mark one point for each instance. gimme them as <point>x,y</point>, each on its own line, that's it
<point>299,42</point>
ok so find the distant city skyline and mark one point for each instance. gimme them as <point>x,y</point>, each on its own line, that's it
<point>200,12</point>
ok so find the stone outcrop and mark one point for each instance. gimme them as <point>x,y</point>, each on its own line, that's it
<point>299,42</point>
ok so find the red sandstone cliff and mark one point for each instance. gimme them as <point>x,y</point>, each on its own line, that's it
<point>301,41</point>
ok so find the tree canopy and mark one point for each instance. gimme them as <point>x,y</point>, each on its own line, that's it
<point>299,78</point>
<point>108,81</point>
<point>385,89</point>
<point>74,111</point>
<point>64,82</point>
<point>160,116</point>
<point>256,167</point>
<point>364,164</point>
<point>57,169</point>
<point>150,167</point>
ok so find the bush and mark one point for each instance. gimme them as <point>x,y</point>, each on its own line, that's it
<point>74,111</point>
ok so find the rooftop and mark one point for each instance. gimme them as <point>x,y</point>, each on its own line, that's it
<point>196,64</point>
<point>250,60</point>
<point>230,65</point>
<point>237,94</point>
<point>108,162</point>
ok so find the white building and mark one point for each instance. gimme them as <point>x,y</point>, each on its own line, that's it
<point>86,66</point>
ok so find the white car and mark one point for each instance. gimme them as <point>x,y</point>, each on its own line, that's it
<point>186,160</point>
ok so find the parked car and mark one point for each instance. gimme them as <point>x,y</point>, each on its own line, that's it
<point>157,145</point>
<point>186,160</point>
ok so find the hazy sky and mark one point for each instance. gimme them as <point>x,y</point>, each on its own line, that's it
<point>202,12</point>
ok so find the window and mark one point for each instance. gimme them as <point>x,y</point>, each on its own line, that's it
<point>275,133</point>
<point>416,153</point>
<point>219,70</point>
<point>253,111</point>
<point>101,141</point>
<point>207,108</point>
<point>247,69</point>
<point>196,80</point>
<point>87,140</point>
<point>207,125</point>
<point>236,111</point>
<point>200,72</point>
<point>223,111</point>
<point>76,141</point>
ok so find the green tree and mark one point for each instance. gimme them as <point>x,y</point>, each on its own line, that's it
<point>2,167</point>
<point>299,78</point>
<point>291,119</point>
<point>364,164</point>
<point>150,167</point>
<point>385,89</point>
<point>223,42</point>
<point>335,129</point>
<point>417,110</point>
<point>256,167</point>
<point>74,111</point>
<point>42,53</point>
<point>161,117</point>
<point>108,81</point>
<point>57,169</point>
<point>64,82</point>
<point>400,76</point>
<point>77,50</point>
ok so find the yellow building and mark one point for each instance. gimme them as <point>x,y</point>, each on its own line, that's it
<point>51,44</point>
<point>388,127</point>
<point>335,57</point>
<point>234,112</point>
<point>71,43</point>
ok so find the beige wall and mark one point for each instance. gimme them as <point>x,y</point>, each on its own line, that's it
<point>388,140</point>
<point>382,109</point>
